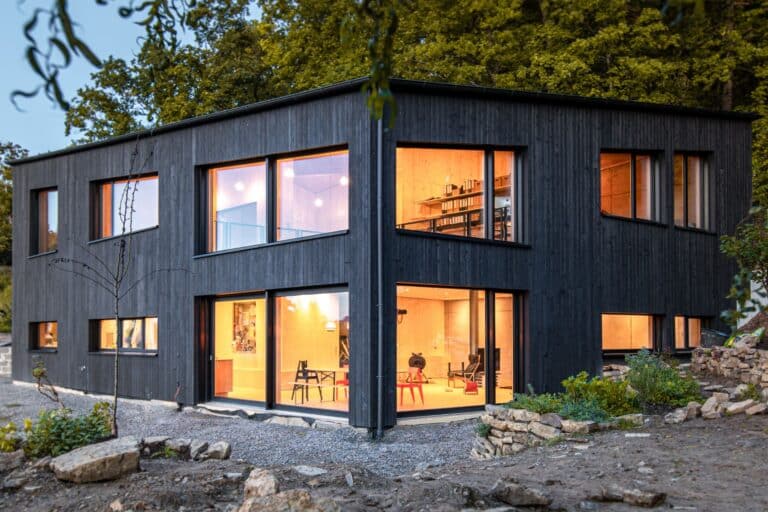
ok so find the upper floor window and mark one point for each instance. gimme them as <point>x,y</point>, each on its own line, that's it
<point>45,231</point>
<point>237,198</point>
<point>691,192</point>
<point>687,332</point>
<point>628,332</point>
<point>127,205</point>
<point>44,336</point>
<point>443,190</point>
<point>312,195</point>
<point>138,334</point>
<point>628,185</point>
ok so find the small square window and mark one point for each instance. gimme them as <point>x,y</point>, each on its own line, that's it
<point>44,336</point>
<point>628,184</point>
<point>117,197</point>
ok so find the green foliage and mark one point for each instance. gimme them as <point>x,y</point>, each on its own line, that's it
<point>542,403</point>
<point>752,392</point>
<point>585,409</point>
<point>613,397</point>
<point>57,431</point>
<point>482,429</point>
<point>9,437</point>
<point>658,384</point>
<point>169,453</point>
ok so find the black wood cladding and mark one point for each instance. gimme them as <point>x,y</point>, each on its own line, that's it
<point>576,265</point>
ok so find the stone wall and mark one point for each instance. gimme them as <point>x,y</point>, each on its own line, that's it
<point>743,362</point>
<point>511,431</point>
<point>5,361</point>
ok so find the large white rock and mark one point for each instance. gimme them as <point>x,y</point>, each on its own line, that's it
<point>102,461</point>
<point>739,407</point>
<point>261,483</point>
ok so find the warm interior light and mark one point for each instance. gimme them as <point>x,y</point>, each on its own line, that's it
<point>344,181</point>
<point>318,202</point>
<point>239,186</point>
<point>330,326</point>
<point>288,172</point>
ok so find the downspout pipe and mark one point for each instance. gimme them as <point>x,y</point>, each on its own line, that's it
<point>380,278</point>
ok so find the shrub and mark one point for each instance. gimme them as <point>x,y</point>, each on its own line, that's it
<point>543,403</point>
<point>57,431</point>
<point>9,438</point>
<point>752,392</point>
<point>658,384</point>
<point>482,429</point>
<point>612,397</point>
<point>583,410</point>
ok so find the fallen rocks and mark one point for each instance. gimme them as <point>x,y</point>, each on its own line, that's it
<point>219,450</point>
<point>196,448</point>
<point>757,409</point>
<point>632,496</point>
<point>294,500</point>
<point>710,409</point>
<point>518,495</point>
<point>11,460</point>
<point>261,483</point>
<point>180,446</point>
<point>692,410</point>
<point>288,421</point>
<point>676,417</point>
<point>739,407</point>
<point>101,461</point>
<point>578,427</point>
<point>309,470</point>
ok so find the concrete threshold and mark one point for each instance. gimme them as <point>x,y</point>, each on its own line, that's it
<point>229,409</point>
<point>439,418</point>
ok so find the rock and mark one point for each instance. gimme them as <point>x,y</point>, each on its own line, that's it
<point>496,409</point>
<point>11,460</point>
<point>578,427</point>
<point>739,407</point>
<point>757,409</point>
<point>631,419</point>
<point>327,425</point>
<point>294,500</point>
<point>15,480</point>
<point>518,495</point>
<point>196,448</point>
<point>44,463</point>
<point>692,410</point>
<point>544,431</point>
<point>740,390</point>
<point>645,470</point>
<point>635,497</point>
<point>180,446</point>
<point>219,450</point>
<point>713,387</point>
<point>288,421</point>
<point>676,417</point>
<point>720,397</point>
<point>710,410</point>
<point>764,395</point>
<point>233,475</point>
<point>116,506</point>
<point>261,483</point>
<point>551,419</point>
<point>154,444</point>
<point>349,479</point>
<point>524,415</point>
<point>102,461</point>
<point>309,470</point>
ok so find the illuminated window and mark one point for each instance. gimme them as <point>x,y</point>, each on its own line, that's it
<point>44,336</point>
<point>505,200</point>
<point>691,192</point>
<point>627,185</point>
<point>126,206</point>
<point>237,199</point>
<point>45,233</point>
<point>687,332</point>
<point>312,194</point>
<point>312,350</point>
<point>627,332</point>
<point>239,347</point>
<point>138,334</point>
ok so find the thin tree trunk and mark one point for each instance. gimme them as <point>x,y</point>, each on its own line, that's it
<point>118,344</point>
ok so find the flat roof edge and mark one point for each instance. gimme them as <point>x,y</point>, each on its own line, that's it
<point>399,84</point>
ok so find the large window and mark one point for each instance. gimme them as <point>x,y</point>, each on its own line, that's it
<point>691,192</point>
<point>312,194</point>
<point>626,332</point>
<point>687,332</point>
<point>628,185</point>
<point>138,334</point>
<point>44,336</point>
<point>312,350</point>
<point>443,190</point>
<point>127,205</point>
<point>240,350</point>
<point>45,232</point>
<point>237,196</point>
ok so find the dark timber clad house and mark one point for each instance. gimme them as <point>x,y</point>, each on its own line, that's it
<point>509,238</point>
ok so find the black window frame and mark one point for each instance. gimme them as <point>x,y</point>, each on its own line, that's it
<point>34,225</point>
<point>686,331</point>
<point>34,336</point>
<point>488,211</point>
<point>657,333</point>
<point>655,192</point>
<point>97,207</point>
<point>95,336</point>
<point>706,211</point>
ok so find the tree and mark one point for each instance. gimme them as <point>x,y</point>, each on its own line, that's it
<point>8,152</point>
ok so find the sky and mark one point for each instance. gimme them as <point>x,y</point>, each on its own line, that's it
<point>40,127</point>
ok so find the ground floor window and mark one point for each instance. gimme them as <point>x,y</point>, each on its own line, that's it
<point>44,336</point>
<point>628,332</point>
<point>239,346</point>
<point>312,348</point>
<point>138,334</point>
<point>687,332</point>
<point>444,346</point>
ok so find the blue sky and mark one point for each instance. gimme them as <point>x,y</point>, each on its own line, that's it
<point>40,127</point>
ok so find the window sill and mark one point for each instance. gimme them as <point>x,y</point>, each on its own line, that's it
<point>122,354</point>
<point>634,221</point>
<point>696,230</point>
<point>43,350</point>
<point>114,237</point>
<point>42,254</point>
<point>440,236</point>
<point>271,244</point>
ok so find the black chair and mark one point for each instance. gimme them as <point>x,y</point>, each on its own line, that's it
<point>302,379</point>
<point>470,373</point>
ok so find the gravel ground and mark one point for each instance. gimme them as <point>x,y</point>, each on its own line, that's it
<point>403,449</point>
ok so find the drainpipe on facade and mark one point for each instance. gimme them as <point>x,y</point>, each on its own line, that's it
<point>379,280</point>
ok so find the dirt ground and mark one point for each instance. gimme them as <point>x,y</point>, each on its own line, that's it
<point>702,465</point>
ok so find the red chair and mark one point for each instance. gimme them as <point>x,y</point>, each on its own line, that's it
<point>415,380</point>
<point>344,382</point>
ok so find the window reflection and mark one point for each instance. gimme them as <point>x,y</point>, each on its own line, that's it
<point>138,197</point>
<point>47,221</point>
<point>237,198</point>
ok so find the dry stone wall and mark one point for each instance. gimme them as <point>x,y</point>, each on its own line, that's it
<point>5,361</point>
<point>743,362</point>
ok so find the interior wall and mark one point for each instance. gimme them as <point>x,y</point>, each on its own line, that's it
<point>422,330</point>
<point>627,332</point>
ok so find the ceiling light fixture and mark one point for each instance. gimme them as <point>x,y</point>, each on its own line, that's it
<point>318,202</point>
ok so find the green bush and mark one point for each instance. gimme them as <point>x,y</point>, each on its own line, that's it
<point>9,438</point>
<point>57,431</point>
<point>542,404</point>
<point>752,392</point>
<point>613,397</point>
<point>658,384</point>
<point>482,429</point>
<point>583,410</point>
